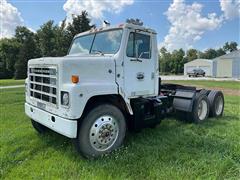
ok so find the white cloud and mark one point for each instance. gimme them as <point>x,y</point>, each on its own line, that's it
<point>230,8</point>
<point>95,8</point>
<point>10,17</point>
<point>188,24</point>
<point>31,29</point>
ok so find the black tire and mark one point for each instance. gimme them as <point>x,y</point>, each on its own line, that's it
<point>39,127</point>
<point>214,103</point>
<point>204,91</point>
<point>90,147</point>
<point>194,116</point>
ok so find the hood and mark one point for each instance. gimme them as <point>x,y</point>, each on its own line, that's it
<point>88,68</point>
<point>60,60</point>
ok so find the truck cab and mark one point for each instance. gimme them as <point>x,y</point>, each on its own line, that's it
<point>108,82</point>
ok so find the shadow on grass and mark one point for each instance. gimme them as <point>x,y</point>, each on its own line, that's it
<point>172,144</point>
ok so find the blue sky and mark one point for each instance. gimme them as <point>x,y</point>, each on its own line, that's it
<point>207,32</point>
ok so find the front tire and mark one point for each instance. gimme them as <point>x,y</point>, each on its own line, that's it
<point>101,131</point>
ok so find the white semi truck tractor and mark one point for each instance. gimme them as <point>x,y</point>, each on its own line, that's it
<point>109,83</point>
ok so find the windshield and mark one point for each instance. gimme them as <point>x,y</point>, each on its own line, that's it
<point>107,42</point>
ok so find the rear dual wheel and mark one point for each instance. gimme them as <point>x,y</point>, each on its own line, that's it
<point>206,104</point>
<point>216,100</point>
<point>200,109</point>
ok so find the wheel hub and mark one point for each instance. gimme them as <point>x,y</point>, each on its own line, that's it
<point>104,133</point>
<point>202,110</point>
<point>219,105</point>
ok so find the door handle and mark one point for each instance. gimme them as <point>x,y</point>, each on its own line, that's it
<point>140,76</point>
<point>136,59</point>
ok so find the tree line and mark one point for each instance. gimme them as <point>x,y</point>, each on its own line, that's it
<point>173,62</point>
<point>49,40</point>
<point>54,40</point>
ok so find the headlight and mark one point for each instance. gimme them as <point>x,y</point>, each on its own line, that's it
<point>64,98</point>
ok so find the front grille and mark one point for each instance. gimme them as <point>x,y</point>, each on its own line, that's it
<point>43,83</point>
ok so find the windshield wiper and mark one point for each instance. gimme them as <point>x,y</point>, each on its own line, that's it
<point>97,52</point>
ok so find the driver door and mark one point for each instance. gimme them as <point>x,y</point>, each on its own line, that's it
<point>139,65</point>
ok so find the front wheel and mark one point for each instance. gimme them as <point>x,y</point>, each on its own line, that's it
<point>101,131</point>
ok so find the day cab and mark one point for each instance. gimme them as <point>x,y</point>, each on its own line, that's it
<point>108,83</point>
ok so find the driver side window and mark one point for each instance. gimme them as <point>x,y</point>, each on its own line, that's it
<point>138,46</point>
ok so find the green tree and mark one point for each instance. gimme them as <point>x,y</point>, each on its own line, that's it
<point>61,39</point>
<point>191,54</point>
<point>164,60</point>
<point>177,61</point>
<point>208,54</point>
<point>9,49</point>
<point>229,47</point>
<point>27,50</point>
<point>46,37</point>
<point>80,23</point>
<point>220,52</point>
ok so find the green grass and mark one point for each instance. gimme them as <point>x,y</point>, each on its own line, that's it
<point>173,150</point>
<point>205,83</point>
<point>11,82</point>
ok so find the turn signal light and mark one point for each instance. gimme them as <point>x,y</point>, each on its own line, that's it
<point>75,79</point>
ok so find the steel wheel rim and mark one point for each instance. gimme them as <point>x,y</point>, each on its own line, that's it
<point>202,109</point>
<point>219,105</point>
<point>103,133</point>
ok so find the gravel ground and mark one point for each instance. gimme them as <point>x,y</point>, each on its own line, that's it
<point>174,77</point>
<point>10,87</point>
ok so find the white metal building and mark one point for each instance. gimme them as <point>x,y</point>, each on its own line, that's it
<point>227,65</point>
<point>204,64</point>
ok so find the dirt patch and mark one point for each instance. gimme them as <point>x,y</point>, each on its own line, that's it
<point>227,91</point>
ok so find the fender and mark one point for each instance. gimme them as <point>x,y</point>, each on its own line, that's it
<point>84,92</point>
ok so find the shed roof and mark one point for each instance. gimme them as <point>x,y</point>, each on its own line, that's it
<point>231,55</point>
<point>197,60</point>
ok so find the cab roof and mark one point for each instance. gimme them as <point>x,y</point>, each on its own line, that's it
<point>125,25</point>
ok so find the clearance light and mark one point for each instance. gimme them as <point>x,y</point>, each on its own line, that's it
<point>120,25</point>
<point>75,79</point>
